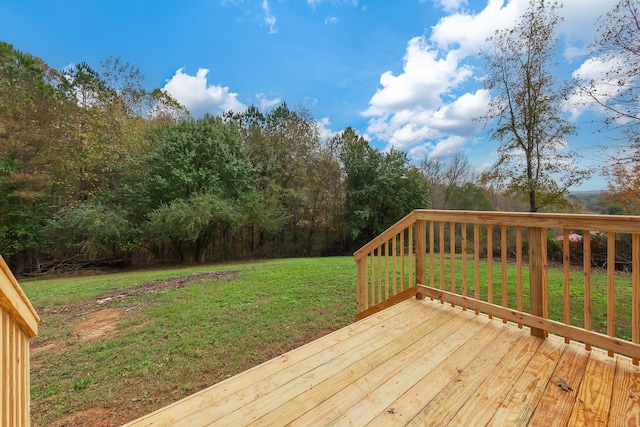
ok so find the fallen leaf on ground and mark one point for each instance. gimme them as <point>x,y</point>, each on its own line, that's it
<point>562,383</point>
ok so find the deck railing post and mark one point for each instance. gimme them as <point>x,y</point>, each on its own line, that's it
<point>420,236</point>
<point>362,285</point>
<point>537,280</point>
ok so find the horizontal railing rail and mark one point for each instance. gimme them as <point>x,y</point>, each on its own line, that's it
<point>498,263</point>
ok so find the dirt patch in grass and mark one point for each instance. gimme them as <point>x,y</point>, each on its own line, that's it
<point>156,286</point>
<point>172,283</point>
<point>97,320</point>
<point>99,323</point>
<point>89,418</point>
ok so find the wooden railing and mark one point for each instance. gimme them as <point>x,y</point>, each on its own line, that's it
<point>498,263</point>
<point>18,324</point>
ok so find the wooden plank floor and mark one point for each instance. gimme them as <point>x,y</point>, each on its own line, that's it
<point>422,363</point>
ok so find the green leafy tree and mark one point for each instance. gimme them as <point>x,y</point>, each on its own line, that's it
<point>190,225</point>
<point>194,186</point>
<point>299,177</point>
<point>468,196</point>
<point>533,161</point>
<point>31,111</point>
<point>381,187</point>
<point>88,234</point>
<point>111,121</point>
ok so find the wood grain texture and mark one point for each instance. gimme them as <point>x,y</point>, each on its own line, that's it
<point>555,406</point>
<point>618,345</point>
<point>625,399</point>
<point>421,362</point>
<point>594,396</point>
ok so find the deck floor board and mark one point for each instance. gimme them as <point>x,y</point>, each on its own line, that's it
<point>421,363</point>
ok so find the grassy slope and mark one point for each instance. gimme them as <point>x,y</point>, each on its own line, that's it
<point>172,341</point>
<point>169,343</point>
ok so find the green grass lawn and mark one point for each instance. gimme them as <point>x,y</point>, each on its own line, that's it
<point>113,347</point>
<point>555,280</point>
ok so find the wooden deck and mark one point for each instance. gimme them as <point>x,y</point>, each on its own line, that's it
<point>422,363</point>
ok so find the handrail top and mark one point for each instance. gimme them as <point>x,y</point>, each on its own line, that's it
<point>15,301</point>
<point>590,222</point>
<point>400,225</point>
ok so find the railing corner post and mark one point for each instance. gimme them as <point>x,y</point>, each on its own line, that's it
<point>361,285</point>
<point>537,271</point>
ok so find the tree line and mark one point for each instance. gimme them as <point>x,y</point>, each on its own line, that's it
<point>97,170</point>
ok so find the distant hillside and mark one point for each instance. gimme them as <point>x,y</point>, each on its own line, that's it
<point>591,201</point>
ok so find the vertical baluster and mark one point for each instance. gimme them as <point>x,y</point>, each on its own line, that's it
<point>379,274</point>
<point>476,262</point>
<point>586,250</point>
<point>442,249</point>
<point>635,292</point>
<point>373,277</point>
<point>394,248</point>
<point>386,269</point>
<point>410,244</point>
<point>611,267</point>
<point>402,260</point>
<point>503,261</point>
<point>463,228</point>
<point>566,278</point>
<point>452,257</point>
<point>432,274</point>
<point>519,269</point>
<point>421,254</point>
<point>490,265</point>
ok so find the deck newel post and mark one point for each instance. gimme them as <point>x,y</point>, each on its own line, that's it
<point>361,284</point>
<point>537,261</point>
<point>420,236</point>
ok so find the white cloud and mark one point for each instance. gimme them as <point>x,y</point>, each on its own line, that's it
<point>264,103</point>
<point>580,17</point>
<point>331,20</point>
<point>269,18</point>
<point>429,107</point>
<point>596,73</point>
<point>426,77</point>
<point>194,93</point>
<point>468,31</point>
<point>409,128</point>
<point>443,148</point>
<point>324,129</point>
<point>448,5</point>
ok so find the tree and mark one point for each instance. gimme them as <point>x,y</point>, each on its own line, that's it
<point>431,169</point>
<point>298,175</point>
<point>468,196</point>
<point>617,91</point>
<point>623,195</point>
<point>111,119</point>
<point>31,129</point>
<point>446,180</point>
<point>533,161</point>
<point>191,189</point>
<point>381,187</point>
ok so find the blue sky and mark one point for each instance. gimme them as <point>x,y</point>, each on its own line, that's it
<point>403,73</point>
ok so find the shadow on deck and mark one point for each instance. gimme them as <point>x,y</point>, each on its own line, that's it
<point>421,362</point>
